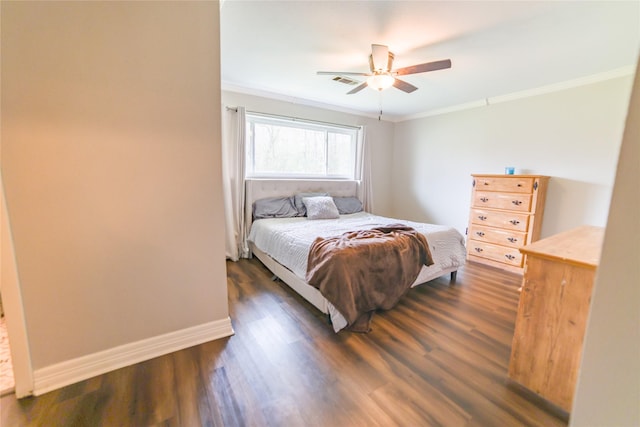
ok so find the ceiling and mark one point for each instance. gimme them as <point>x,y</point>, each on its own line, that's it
<point>497,48</point>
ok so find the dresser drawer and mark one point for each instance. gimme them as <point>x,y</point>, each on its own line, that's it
<point>507,201</point>
<point>504,254</point>
<point>507,220</point>
<point>514,239</point>
<point>507,184</point>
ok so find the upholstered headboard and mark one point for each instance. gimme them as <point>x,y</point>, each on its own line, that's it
<point>257,189</point>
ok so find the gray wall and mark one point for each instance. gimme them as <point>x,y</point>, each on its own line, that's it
<point>111,167</point>
<point>608,390</point>
<point>572,135</point>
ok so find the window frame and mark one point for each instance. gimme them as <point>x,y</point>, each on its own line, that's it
<point>327,128</point>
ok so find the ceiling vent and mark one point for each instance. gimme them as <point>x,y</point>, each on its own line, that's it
<point>345,80</point>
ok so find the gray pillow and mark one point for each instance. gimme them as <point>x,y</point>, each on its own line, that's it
<point>274,207</point>
<point>320,207</point>
<point>302,211</point>
<point>348,205</point>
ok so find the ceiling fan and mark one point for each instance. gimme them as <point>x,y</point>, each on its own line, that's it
<point>383,76</point>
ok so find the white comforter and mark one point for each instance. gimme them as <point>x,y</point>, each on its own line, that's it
<point>288,240</point>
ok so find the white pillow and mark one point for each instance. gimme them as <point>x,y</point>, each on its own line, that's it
<point>321,207</point>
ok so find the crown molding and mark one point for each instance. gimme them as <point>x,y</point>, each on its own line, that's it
<point>293,100</point>
<point>542,90</point>
<point>555,87</point>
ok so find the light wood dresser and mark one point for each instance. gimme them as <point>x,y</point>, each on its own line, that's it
<point>506,214</point>
<point>552,313</point>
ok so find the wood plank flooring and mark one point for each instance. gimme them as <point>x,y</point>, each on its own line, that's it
<point>439,358</point>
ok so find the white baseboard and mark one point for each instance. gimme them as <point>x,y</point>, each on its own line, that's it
<point>79,369</point>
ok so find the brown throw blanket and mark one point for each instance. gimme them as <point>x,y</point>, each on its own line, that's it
<point>363,271</point>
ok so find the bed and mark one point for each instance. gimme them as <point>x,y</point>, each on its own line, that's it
<point>283,244</point>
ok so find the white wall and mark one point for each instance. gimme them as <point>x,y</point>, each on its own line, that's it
<point>12,306</point>
<point>111,166</point>
<point>379,136</point>
<point>608,389</point>
<point>572,135</point>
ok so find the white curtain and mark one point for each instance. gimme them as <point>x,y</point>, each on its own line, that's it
<point>233,168</point>
<point>364,170</point>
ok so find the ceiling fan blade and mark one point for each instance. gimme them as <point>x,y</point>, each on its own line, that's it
<point>340,73</point>
<point>380,57</point>
<point>404,86</point>
<point>357,89</point>
<point>423,68</point>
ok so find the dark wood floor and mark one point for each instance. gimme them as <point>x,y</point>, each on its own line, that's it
<point>439,358</point>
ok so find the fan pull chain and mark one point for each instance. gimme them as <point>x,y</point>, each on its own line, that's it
<point>380,105</point>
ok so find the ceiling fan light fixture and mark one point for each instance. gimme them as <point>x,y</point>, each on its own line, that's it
<point>383,75</point>
<point>380,81</point>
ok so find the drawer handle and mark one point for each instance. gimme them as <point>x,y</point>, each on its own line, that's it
<point>516,202</point>
<point>482,217</point>
<point>510,257</point>
<point>478,249</point>
<point>519,185</point>
<point>480,233</point>
<point>512,239</point>
<point>514,222</point>
<point>484,199</point>
<point>486,183</point>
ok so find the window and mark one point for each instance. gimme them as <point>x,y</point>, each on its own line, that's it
<point>292,148</point>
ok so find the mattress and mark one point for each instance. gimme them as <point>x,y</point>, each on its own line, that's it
<point>288,240</point>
